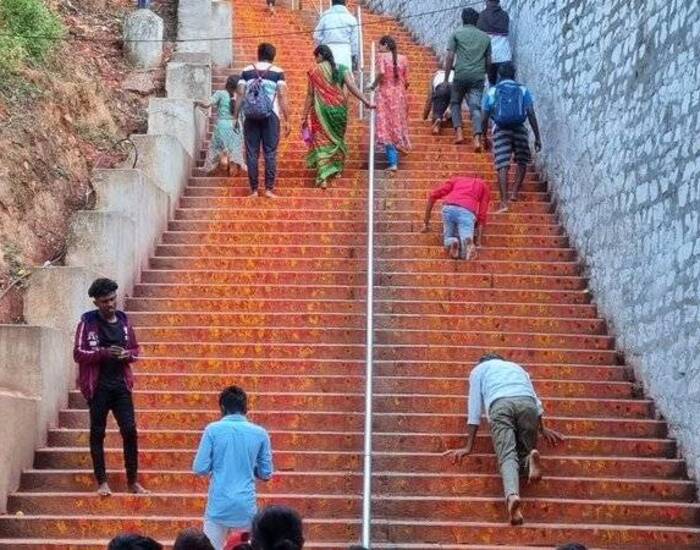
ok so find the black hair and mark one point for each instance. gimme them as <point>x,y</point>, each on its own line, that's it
<point>470,16</point>
<point>572,546</point>
<point>233,400</point>
<point>102,287</point>
<point>506,71</point>
<point>357,547</point>
<point>277,528</point>
<point>231,85</point>
<point>390,43</point>
<point>489,357</point>
<point>266,52</point>
<point>338,2</point>
<point>133,542</point>
<point>192,539</point>
<point>327,55</point>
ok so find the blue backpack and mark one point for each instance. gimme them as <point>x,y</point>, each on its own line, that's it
<point>257,105</point>
<point>509,105</point>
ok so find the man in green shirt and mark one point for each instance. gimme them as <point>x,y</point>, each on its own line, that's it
<point>469,53</point>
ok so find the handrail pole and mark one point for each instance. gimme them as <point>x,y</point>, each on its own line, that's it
<point>361,60</point>
<point>367,474</point>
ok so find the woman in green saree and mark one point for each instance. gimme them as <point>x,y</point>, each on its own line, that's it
<point>325,115</point>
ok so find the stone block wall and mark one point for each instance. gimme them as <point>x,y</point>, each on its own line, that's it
<point>617,91</point>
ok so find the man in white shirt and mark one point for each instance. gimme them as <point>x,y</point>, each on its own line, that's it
<point>495,22</point>
<point>338,29</point>
<point>504,390</point>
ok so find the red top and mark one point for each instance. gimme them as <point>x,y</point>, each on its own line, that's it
<point>470,193</point>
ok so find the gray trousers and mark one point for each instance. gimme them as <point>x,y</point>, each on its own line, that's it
<point>514,422</point>
<point>474,92</point>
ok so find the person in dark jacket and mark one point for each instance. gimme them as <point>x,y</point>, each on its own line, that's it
<point>495,22</point>
<point>105,347</point>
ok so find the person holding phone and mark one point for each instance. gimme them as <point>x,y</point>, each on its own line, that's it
<point>105,347</point>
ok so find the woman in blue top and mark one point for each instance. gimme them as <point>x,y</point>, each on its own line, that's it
<point>226,147</point>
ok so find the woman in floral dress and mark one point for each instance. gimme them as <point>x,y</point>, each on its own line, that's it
<point>392,101</point>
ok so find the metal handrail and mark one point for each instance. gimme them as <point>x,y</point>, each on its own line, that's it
<point>369,369</point>
<point>361,60</point>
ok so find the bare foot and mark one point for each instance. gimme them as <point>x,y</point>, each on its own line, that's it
<point>514,197</point>
<point>534,467</point>
<point>470,249</point>
<point>459,136</point>
<point>436,128</point>
<point>402,150</point>
<point>138,489</point>
<point>503,208</point>
<point>324,185</point>
<point>515,514</point>
<point>391,171</point>
<point>477,144</point>
<point>270,195</point>
<point>253,195</point>
<point>103,490</point>
<point>454,250</point>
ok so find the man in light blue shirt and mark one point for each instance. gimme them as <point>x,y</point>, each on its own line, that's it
<point>338,29</point>
<point>233,453</point>
<point>504,390</point>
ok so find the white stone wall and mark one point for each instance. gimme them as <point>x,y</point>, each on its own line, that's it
<point>617,91</point>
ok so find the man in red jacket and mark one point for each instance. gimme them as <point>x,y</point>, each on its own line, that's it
<point>464,214</point>
<point>105,346</point>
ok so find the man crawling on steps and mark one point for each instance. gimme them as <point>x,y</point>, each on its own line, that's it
<point>515,414</point>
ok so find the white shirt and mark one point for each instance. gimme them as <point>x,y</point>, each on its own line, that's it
<point>272,84</point>
<point>338,26</point>
<point>493,380</point>
<point>439,78</point>
<point>500,48</point>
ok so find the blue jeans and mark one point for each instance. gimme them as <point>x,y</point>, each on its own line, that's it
<point>457,225</point>
<point>474,92</point>
<point>392,155</point>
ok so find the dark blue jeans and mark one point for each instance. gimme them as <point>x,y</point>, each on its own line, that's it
<point>266,133</point>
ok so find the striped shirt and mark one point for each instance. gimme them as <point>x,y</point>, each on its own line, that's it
<point>273,80</point>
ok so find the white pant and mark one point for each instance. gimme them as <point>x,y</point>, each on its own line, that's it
<point>218,534</point>
<point>342,54</point>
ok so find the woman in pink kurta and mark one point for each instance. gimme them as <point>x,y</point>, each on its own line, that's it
<point>392,101</point>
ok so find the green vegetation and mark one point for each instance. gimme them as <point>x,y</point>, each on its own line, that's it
<point>29,31</point>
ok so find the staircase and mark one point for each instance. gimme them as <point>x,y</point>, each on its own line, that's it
<point>615,483</point>
<point>270,295</point>
<point>267,294</point>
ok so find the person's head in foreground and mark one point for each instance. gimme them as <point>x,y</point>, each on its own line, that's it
<point>133,542</point>
<point>233,400</point>
<point>572,546</point>
<point>104,295</point>
<point>470,16</point>
<point>277,528</point>
<point>192,539</point>
<point>490,357</point>
<point>506,71</point>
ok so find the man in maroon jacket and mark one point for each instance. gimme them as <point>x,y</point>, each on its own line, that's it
<point>464,214</point>
<point>105,346</point>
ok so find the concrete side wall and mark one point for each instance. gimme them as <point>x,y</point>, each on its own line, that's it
<point>35,375</point>
<point>19,418</point>
<point>221,27</point>
<point>617,90</point>
<point>193,23</point>
<point>115,240</point>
